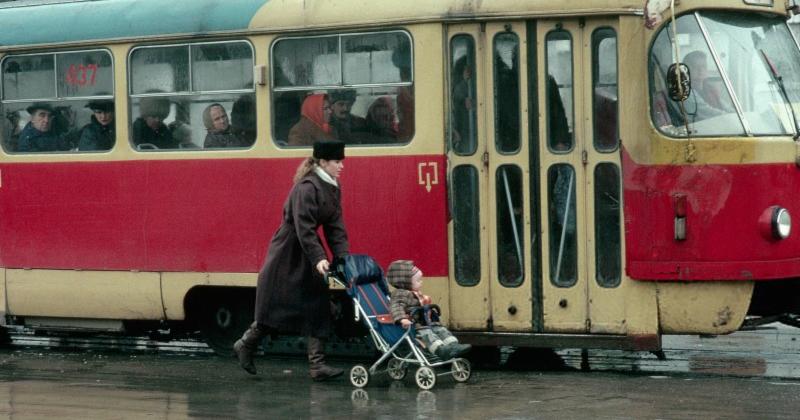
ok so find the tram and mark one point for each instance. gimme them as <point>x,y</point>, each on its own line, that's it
<point>589,174</point>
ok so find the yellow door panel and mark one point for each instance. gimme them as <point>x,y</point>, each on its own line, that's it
<point>509,177</point>
<point>84,294</point>
<point>469,232</point>
<point>562,183</point>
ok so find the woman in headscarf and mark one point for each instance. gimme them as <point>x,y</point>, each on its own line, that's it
<point>314,122</point>
<point>381,123</point>
<point>291,295</point>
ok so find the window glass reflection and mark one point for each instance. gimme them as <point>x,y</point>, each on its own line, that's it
<point>463,122</point>
<point>510,247</point>
<point>466,225</point>
<point>563,229</point>
<point>607,224</point>
<point>559,85</point>
<point>506,92</point>
<point>604,90</point>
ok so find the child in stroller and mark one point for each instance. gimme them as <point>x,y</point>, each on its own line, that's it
<point>365,284</point>
<point>406,278</point>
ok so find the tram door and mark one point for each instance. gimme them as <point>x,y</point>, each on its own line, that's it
<point>488,153</point>
<point>534,176</point>
<point>579,176</point>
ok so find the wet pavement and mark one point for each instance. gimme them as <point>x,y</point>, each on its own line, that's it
<point>745,375</point>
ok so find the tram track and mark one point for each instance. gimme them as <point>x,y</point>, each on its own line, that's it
<point>770,351</point>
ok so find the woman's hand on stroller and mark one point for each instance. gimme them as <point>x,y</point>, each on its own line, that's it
<point>406,323</point>
<point>323,266</point>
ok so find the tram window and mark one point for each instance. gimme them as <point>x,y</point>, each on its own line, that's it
<point>560,111</point>
<point>306,62</point>
<point>368,85</point>
<point>376,58</point>
<point>57,102</point>
<point>29,77</point>
<point>510,245</point>
<point>607,224</point>
<point>506,92</point>
<point>193,96</point>
<point>466,225</point>
<point>605,89</point>
<point>563,229</point>
<point>748,47</point>
<point>709,109</point>
<point>463,100</point>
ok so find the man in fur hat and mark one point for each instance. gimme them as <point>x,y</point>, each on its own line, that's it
<point>149,128</point>
<point>343,122</point>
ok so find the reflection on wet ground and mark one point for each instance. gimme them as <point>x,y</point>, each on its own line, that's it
<point>107,386</point>
<point>771,351</point>
<point>744,375</point>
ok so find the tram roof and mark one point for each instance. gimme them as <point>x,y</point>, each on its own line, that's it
<point>37,22</point>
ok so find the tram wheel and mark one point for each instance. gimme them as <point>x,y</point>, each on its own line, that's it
<point>425,377</point>
<point>359,376</point>
<point>222,317</point>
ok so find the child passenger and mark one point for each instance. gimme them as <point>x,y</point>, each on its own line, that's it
<point>406,279</point>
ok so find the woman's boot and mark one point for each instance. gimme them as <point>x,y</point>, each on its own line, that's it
<point>316,361</point>
<point>246,347</point>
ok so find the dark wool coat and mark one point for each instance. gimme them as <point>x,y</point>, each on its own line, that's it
<point>96,136</point>
<point>161,138</point>
<point>224,139</point>
<point>33,140</point>
<point>291,295</point>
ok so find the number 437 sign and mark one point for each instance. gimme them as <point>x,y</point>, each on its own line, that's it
<point>81,75</point>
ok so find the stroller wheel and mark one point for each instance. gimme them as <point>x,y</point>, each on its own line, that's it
<point>359,376</point>
<point>397,369</point>
<point>461,370</point>
<point>425,377</point>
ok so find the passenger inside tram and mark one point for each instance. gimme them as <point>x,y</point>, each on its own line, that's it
<point>243,120</point>
<point>314,123</point>
<point>381,123</point>
<point>149,130</point>
<point>40,134</point>
<point>99,133</point>
<point>346,126</point>
<point>219,133</point>
<point>11,130</point>
<point>463,112</point>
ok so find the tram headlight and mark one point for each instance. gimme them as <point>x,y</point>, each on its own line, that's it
<point>781,223</point>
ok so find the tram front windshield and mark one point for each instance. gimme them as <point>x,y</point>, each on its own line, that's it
<point>745,76</point>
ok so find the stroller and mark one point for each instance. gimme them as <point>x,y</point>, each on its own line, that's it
<point>363,278</point>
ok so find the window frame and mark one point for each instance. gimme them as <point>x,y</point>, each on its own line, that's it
<point>57,98</point>
<point>130,96</point>
<point>55,78</point>
<point>341,85</point>
<point>190,91</point>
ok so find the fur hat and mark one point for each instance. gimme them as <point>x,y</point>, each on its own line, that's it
<point>399,274</point>
<point>329,150</point>
<point>345,95</point>
<point>153,106</point>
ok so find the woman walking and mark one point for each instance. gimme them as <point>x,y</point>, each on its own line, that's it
<point>292,295</point>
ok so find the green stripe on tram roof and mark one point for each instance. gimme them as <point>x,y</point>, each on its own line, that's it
<point>47,23</point>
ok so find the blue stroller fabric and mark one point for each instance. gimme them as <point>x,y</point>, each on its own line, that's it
<point>365,282</point>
